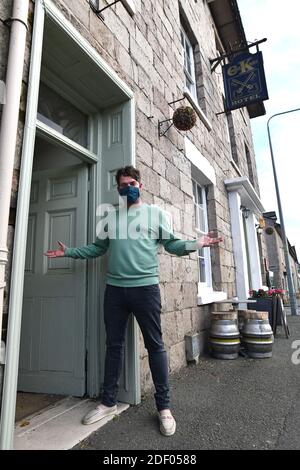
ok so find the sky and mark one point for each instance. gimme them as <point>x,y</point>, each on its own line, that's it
<point>278,22</point>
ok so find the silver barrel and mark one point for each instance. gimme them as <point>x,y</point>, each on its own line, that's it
<point>241,316</point>
<point>257,335</point>
<point>224,337</point>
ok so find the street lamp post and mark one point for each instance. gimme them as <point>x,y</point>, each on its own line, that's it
<point>292,295</point>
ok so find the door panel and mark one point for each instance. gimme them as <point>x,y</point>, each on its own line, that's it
<point>57,355</point>
<point>52,352</point>
<point>115,151</point>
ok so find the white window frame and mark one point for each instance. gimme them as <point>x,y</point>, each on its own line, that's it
<point>197,187</point>
<point>204,174</point>
<point>188,56</point>
<point>231,159</point>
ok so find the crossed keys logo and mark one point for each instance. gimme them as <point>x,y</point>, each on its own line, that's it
<point>245,87</point>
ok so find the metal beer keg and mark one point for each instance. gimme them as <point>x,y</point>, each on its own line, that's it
<point>257,335</point>
<point>224,338</point>
<point>241,317</point>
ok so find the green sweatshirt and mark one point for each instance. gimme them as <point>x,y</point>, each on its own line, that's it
<point>131,238</point>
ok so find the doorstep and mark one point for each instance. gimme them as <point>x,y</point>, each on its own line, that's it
<point>58,427</point>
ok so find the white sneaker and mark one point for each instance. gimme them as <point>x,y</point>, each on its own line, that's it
<point>100,412</point>
<point>167,423</point>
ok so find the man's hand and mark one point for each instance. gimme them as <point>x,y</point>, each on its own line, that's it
<point>209,240</point>
<point>56,253</point>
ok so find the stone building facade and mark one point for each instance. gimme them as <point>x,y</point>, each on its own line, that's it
<point>275,255</point>
<point>210,168</point>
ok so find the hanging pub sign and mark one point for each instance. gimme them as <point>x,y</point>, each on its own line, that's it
<point>244,80</point>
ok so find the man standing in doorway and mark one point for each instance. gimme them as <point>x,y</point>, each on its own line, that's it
<point>131,236</point>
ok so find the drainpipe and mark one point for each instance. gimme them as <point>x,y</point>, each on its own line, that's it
<point>8,131</point>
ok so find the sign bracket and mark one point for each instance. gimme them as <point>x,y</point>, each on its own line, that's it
<point>221,58</point>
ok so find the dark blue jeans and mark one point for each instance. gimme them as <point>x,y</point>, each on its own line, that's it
<point>145,304</point>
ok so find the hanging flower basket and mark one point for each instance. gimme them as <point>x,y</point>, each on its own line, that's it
<point>269,230</point>
<point>184,118</point>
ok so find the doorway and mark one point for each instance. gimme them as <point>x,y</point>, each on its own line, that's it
<point>66,62</point>
<point>84,134</point>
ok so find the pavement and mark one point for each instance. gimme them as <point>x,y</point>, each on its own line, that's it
<point>235,404</point>
<point>287,309</point>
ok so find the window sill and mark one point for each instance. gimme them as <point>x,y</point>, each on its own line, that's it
<point>198,110</point>
<point>210,297</point>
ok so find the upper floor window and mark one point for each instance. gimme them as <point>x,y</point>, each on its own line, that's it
<point>249,164</point>
<point>230,134</point>
<point>218,75</point>
<point>189,63</point>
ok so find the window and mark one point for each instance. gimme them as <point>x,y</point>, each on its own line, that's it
<point>2,92</point>
<point>218,70</point>
<point>249,164</point>
<point>231,137</point>
<point>189,65</point>
<point>62,116</point>
<point>200,211</point>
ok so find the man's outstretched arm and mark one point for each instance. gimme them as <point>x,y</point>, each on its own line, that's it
<point>179,247</point>
<point>98,248</point>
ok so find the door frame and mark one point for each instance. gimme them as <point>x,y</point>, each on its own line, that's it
<point>43,7</point>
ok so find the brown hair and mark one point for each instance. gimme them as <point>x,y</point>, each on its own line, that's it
<point>128,170</point>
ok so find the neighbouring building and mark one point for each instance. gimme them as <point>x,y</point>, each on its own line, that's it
<point>94,95</point>
<point>276,258</point>
<point>295,267</point>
